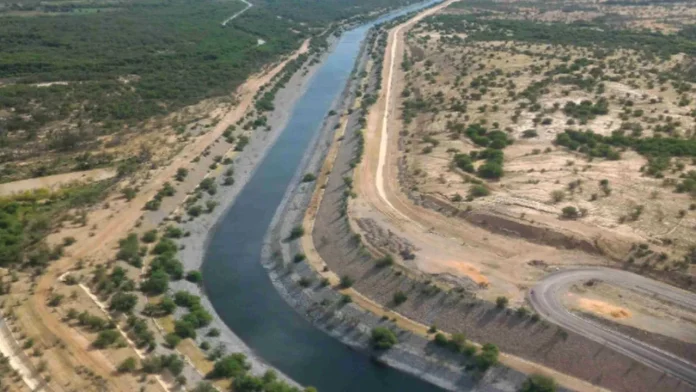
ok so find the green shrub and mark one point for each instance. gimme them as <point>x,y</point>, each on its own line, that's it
<point>106,338</point>
<point>385,261</point>
<point>296,232</point>
<point>530,133</point>
<point>149,236</point>
<point>172,340</point>
<point>346,281</point>
<point>399,298</point>
<point>478,191</point>
<point>441,340</point>
<point>123,302</point>
<point>487,357</point>
<point>233,365</point>
<point>383,338</point>
<point>538,383</point>
<point>128,365</point>
<point>570,212</point>
<point>194,277</point>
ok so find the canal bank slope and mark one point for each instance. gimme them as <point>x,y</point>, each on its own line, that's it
<point>193,246</point>
<point>311,293</point>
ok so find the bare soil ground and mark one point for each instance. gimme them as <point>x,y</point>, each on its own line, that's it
<point>510,239</point>
<point>56,181</point>
<point>633,309</point>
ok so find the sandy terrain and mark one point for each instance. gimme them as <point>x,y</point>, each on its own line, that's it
<point>633,309</point>
<point>56,181</point>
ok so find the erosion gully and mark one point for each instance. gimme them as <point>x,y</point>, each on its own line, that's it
<point>239,287</point>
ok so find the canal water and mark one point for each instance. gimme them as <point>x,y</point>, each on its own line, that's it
<point>239,287</point>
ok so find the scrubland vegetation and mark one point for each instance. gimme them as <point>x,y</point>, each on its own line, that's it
<point>524,105</point>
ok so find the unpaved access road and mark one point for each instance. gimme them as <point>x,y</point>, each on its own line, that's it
<point>231,18</point>
<point>545,298</point>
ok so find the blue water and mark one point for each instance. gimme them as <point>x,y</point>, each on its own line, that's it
<point>239,287</point>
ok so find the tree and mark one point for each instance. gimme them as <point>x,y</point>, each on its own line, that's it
<point>106,338</point>
<point>490,170</point>
<point>501,302</point>
<point>157,283</point>
<point>487,357</point>
<point>123,302</point>
<point>172,340</point>
<point>441,339</point>
<point>247,383</point>
<point>167,305</point>
<point>233,365</point>
<point>383,338</point>
<point>194,277</point>
<point>204,387</point>
<point>184,329</point>
<point>149,236</point>
<point>538,383</point>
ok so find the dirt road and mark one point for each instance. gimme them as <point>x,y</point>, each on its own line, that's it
<point>231,18</point>
<point>545,297</point>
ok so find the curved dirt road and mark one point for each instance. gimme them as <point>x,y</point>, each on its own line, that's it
<point>231,18</point>
<point>545,298</point>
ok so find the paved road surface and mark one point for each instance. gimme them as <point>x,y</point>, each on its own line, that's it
<point>545,298</point>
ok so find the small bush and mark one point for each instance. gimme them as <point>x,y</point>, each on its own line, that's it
<point>172,340</point>
<point>309,177</point>
<point>478,191</point>
<point>383,338</point>
<point>346,282</point>
<point>530,133</point>
<point>538,383</point>
<point>570,212</point>
<point>501,302</point>
<point>385,261</point>
<point>296,232</point>
<point>441,340</point>
<point>149,237</point>
<point>194,277</point>
<point>299,258</point>
<point>399,298</point>
<point>128,365</point>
